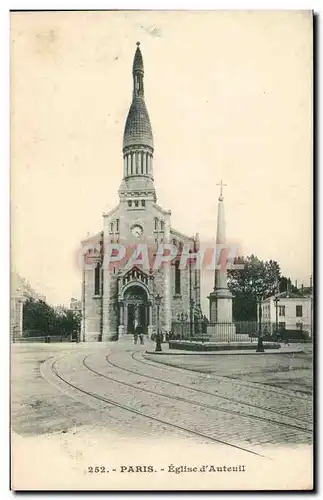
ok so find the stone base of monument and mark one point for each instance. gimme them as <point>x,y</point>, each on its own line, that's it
<point>225,332</point>
<point>185,345</point>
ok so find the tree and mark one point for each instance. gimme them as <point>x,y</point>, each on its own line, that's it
<point>286,284</point>
<point>256,280</point>
<point>40,319</point>
<point>67,321</point>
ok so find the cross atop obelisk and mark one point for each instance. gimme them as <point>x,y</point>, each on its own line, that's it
<point>221,190</point>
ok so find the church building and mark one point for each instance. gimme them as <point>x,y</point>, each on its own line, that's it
<point>117,298</point>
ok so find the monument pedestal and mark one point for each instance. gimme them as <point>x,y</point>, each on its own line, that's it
<point>225,332</point>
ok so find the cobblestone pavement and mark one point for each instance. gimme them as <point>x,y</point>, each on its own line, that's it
<point>153,398</point>
<point>290,371</point>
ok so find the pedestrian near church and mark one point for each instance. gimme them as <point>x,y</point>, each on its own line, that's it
<point>139,333</point>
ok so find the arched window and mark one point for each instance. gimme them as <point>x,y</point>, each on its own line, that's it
<point>177,278</point>
<point>142,162</point>
<point>97,279</point>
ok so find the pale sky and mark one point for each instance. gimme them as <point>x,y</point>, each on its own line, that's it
<point>229,96</point>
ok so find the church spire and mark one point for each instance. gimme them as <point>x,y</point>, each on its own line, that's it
<point>138,73</point>
<point>138,144</point>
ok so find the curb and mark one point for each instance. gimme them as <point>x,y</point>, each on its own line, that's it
<point>221,353</point>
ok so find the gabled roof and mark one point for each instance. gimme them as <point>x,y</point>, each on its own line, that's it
<point>134,270</point>
<point>183,236</point>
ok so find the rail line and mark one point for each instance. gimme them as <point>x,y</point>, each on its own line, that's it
<point>304,397</point>
<point>225,398</point>
<point>193,402</point>
<point>155,419</point>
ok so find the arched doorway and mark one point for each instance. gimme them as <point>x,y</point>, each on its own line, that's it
<point>136,309</point>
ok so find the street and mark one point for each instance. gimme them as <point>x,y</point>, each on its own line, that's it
<point>242,400</point>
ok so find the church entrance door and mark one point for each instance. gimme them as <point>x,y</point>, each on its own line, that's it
<point>136,308</point>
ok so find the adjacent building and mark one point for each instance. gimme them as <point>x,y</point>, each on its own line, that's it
<point>75,305</point>
<point>290,312</point>
<point>20,291</point>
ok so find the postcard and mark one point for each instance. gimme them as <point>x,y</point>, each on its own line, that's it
<point>161,321</point>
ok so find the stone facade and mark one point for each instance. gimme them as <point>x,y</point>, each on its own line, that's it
<point>120,294</point>
<point>21,291</point>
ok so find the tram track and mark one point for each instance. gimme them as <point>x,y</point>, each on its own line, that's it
<point>273,390</point>
<point>201,391</point>
<point>144,415</point>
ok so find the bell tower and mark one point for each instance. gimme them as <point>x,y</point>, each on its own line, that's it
<point>138,144</point>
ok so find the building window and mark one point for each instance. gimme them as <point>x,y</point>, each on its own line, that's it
<point>111,227</point>
<point>156,224</point>
<point>143,203</point>
<point>136,203</point>
<point>97,280</point>
<point>299,326</point>
<point>162,225</point>
<point>281,310</point>
<point>117,225</point>
<point>282,325</point>
<point>129,203</point>
<point>177,278</point>
<point>299,311</point>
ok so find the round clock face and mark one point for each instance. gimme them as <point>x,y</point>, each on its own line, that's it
<point>137,231</point>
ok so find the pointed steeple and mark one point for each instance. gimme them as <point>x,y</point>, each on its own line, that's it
<point>220,281</point>
<point>221,297</point>
<point>138,144</point>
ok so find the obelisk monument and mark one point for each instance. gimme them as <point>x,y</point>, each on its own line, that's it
<point>221,326</point>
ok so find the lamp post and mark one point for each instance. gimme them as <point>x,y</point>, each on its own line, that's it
<point>182,317</point>
<point>158,347</point>
<point>260,314</point>
<point>191,318</point>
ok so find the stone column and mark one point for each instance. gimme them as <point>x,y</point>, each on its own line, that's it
<point>121,319</point>
<point>125,317</point>
<point>150,319</point>
<point>221,297</point>
<point>167,299</point>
